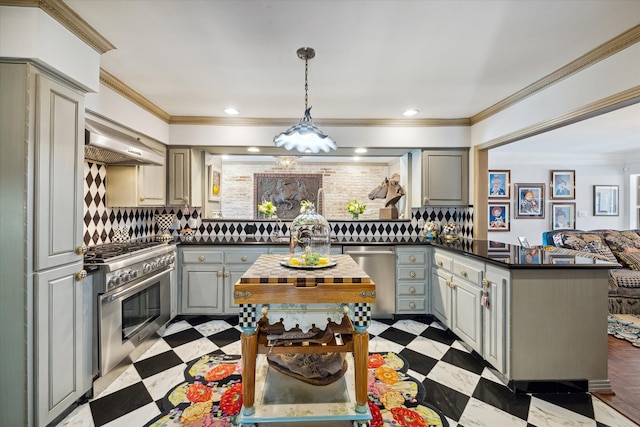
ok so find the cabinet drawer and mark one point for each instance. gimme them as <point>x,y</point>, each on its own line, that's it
<point>241,257</point>
<point>468,269</point>
<point>409,273</point>
<point>409,288</point>
<point>411,257</point>
<point>202,257</point>
<point>417,305</point>
<point>443,261</point>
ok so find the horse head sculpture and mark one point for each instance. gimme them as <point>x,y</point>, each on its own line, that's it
<point>390,189</point>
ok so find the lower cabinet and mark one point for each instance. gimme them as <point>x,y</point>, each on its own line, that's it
<point>411,280</point>
<point>496,284</point>
<point>63,342</point>
<point>441,296</point>
<point>208,275</point>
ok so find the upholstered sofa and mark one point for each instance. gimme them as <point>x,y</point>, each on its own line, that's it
<point>622,247</point>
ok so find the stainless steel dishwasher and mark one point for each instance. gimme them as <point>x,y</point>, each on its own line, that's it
<point>379,262</point>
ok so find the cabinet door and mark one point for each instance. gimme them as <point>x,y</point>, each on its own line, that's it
<point>179,176</point>
<point>445,177</point>
<point>441,296</point>
<point>466,314</point>
<point>59,173</point>
<point>202,287</point>
<point>60,341</point>
<point>494,318</point>
<point>232,275</point>
<point>151,185</point>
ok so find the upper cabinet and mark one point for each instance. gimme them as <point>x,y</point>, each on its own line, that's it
<point>133,186</point>
<point>185,177</point>
<point>445,177</point>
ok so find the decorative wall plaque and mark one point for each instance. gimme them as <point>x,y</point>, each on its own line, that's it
<point>286,191</point>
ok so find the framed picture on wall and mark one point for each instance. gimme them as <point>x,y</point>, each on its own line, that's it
<point>498,217</point>
<point>215,180</point>
<point>499,183</point>
<point>605,200</point>
<point>529,201</point>
<point>563,185</point>
<point>529,256</point>
<point>563,215</point>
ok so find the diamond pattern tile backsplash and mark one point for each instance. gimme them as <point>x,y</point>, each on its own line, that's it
<point>100,221</point>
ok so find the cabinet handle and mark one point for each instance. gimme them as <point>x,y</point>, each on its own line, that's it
<point>142,198</point>
<point>81,250</point>
<point>412,305</point>
<point>440,262</point>
<point>81,275</point>
<point>412,274</point>
<point>412,258</point>
<point>201,258</point>
<point>485,282</point>
<point>244,258</point>
<point>227,274</point>
<point>219,273</point>
<point>412,290</point>
<point>463,272</point>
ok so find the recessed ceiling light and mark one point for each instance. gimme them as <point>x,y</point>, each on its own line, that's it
<point>225,157</point>
<point>360,150</point>
<point>410,112</point>
<point>231,111</point>
<point>253,149</point>
<point>356,158</point>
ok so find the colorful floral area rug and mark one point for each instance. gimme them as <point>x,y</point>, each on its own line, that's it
<point>211,395</point>
<point>625,327</point>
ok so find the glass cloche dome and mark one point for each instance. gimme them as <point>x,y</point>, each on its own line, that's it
<point>310,236</point>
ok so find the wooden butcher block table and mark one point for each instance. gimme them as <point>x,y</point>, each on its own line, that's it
<point>336,298</point>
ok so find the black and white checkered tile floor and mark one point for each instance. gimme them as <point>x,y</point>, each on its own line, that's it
<point>455,381</point>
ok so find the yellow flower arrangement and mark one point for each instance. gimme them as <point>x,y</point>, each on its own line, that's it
<point>267,209</point>
<point>355,208</point>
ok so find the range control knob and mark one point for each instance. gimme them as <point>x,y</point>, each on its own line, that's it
<point>146,267</point>
<point>133,274</point>
<point>124,277</point>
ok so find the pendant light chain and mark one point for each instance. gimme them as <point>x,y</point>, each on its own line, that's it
<point>306,84</point>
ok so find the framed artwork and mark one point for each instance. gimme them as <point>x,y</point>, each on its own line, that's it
<point>286,191</point>
<point>529,201</point>
<point>563,185</point>
<point>215,180</point>
<point>561,259</point>
<point>563,215</point>
<point>498,246</point>
<point>498,256</point>
<point>605,200</point>
<point>529,255</point>
<point>499,183</point>
<point>498,217</point>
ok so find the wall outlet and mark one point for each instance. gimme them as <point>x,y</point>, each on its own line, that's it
<point>582,214</point>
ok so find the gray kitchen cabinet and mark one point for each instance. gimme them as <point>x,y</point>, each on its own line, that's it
<point>185,177</point>
<point>135,186</point>
<point>441,293</point>
<point>445,177</point>
<point>42,125</point>
<point>496,284</point>
<point>208,275</point>
<point>411,280</point>
<point>62,374</point>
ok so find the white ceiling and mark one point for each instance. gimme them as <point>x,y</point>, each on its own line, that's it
<point>374,59</point>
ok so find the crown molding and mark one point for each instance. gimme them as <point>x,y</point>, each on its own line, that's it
<point>69,19</point>
<point>254,121</point>
<point>619,100</point>
<point>613,46</point>
<point>118,86</point>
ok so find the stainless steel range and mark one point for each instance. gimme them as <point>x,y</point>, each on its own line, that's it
<point>132,291</point>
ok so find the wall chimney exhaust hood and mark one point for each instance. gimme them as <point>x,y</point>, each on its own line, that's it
<point>112,147</point>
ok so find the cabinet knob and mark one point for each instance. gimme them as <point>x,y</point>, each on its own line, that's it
<point>81,250</point>
<point>412,305</point>
<point>412,274</point>
<point>81,275</point>
<point>485,282</point>
<point>219,273</point>
<point>201,258</point>
<point>142,198</point>
<point>244,258</point>
<point>412,258</point>
<point>440,262</point>
<point>227,274</point>
<point>463,272</point>
<point>412,290</point>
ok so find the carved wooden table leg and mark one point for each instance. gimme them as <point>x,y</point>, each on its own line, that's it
<point>361,321</point>
<point>249,345</point>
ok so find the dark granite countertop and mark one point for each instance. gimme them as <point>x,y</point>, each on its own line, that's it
<point>493,252</point>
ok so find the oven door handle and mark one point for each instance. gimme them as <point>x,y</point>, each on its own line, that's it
<point>134,289</point>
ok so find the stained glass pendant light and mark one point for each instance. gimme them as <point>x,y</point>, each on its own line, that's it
<point>305,136</point>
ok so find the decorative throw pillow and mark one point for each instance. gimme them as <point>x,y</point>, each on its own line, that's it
<point>621,242</point>
<point>587,242</point>
<point>631,259</point>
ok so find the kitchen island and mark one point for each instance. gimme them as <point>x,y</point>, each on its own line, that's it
<point>337,297</point>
